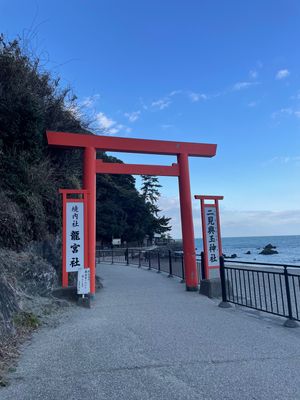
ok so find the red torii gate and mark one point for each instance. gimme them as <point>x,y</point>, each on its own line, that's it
<point>91,143</point>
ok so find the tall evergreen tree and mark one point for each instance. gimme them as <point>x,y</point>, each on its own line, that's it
<point>151,194</point>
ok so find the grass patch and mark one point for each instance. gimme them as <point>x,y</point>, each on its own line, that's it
<point>26,320</point>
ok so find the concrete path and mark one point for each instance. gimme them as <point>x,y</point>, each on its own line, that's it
<point>147,338</point>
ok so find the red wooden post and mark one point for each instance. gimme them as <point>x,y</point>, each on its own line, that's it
<point>89,183</point>
<point>187,226</point>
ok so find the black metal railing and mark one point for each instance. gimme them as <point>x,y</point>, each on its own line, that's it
<point>167,261</point>
<point>271,288</point>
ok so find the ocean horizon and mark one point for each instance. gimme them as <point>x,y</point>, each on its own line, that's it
<point>288,247</point>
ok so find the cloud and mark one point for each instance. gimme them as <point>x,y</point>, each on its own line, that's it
<point>235,222</point>
<point>243,85</point>
<point>283,160</point>
<point>195,97</point>
<point>133,116</point>
<point>166,126</point>
<point>161,104</point>
<point>104,122</point>
<point>108,126</point>
<point>74,109</point>
<point>282,74</point>
<point>90,101</point>
<point>296,96</point>
<point>286,112</point>
<point>252,104</point>
<point>253,74</point>
<point>175,92</point>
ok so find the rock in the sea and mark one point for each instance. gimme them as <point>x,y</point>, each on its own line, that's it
<point>232,256</point>
<point>269,246</point>
<point>248,252</point>
<point>267,251</point>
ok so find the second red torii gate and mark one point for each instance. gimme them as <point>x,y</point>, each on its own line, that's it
<point>92,143</point>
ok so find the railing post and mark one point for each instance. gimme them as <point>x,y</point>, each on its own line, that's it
<point>224,303</point>
<point>112,256</point>
<point>202,265</point>
<point>290,322</point>
<point>158,262</point>
<point>182,269</point>
<point>139,259</point>
<point>149,261</point>
<point>170,265</point>
<point>127,256</point>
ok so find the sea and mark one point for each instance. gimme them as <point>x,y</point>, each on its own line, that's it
<point>288,248</point>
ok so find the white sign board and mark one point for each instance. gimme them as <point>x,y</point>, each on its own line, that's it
<point>212,237</point>
<point>116,242</point>
<point>75,236</point>
<point>83,281</point>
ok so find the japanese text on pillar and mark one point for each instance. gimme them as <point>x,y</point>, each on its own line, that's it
<point>75,236</point>
<point>212,238</point>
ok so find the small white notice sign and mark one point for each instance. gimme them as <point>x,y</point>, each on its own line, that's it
<point>83,281</point>
<point>75,236</point>
<point>212,236</point>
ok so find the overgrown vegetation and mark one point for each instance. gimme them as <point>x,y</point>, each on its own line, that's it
<point>31,101</point>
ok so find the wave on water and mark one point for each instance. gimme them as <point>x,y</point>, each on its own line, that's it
<point>288,248</point>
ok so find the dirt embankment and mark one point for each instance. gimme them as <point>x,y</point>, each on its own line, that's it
<point>26,282</point>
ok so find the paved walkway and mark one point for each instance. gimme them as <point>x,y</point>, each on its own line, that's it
<point>147,338</point>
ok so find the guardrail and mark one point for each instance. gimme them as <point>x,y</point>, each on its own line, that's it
<point>169,262</point>
<point>271,288</point>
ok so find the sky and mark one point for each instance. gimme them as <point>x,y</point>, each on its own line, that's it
<point>224,72</point>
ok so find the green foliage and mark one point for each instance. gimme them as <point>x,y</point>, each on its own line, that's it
<point>26,320</point>
<point>31,101</point>
<point>30,173</point>
<point>121,211</point>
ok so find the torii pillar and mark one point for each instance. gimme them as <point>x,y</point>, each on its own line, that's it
<point>89,183</point>
<point>187,225</point>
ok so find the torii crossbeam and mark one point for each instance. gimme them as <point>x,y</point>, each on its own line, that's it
<point>92,143</point>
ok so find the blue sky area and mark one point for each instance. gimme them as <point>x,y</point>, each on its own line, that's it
<point>224,72</point>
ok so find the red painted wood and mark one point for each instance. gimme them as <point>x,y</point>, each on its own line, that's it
<point>136,169</point>
<point>89,183</point>
<point>129,145</point>
<point>72,191</point>
<point>187,226</point>
<point>204,197</point>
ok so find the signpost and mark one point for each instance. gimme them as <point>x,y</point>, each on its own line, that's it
<point>74,236</point>
<point>74,241</point>
<point>83,281</point>
<point>211,234</point>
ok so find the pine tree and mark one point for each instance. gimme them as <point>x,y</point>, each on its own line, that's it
<point>150,193</point>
